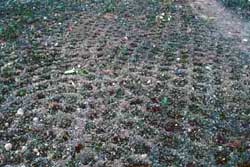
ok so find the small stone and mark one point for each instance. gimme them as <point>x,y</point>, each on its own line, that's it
<point>179,72</point>
<point>245,40</point>
<point>178,59</point>
<point>23,148</point>
<point>208,68</point>
<point>8,146</point>
<point>220,148</point>
<point>20,112</point>
<point>143,156</point>
<point>169,18</point>
<point>35,119</point>
<point>36,151</point>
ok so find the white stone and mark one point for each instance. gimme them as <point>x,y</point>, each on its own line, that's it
<point>220,148</point>
<point>143,156</point>
<point>24,148</point>
<point>245,40</point>
<point>8,146</point>
<point>36,151</point>
<point>35,119</point>
<point>6,124</point>
<point>169,18</point>
<point>20,112</point>
<point>208,68</point>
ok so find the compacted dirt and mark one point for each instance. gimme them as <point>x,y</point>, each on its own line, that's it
<point>144,84</point>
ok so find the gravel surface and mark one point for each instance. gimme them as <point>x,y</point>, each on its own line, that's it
<point>126,83</point>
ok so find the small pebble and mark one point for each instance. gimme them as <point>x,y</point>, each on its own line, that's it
<point>24,148</point>
<point>169,18</point>
<point>245,40</point>
<point>208,68</point>
<point>35,119</point>
<point>8,146</point>
<point>6,124</point>
<point>20,112</point>
<point>178,72</point>
<point>36,151</point>
<point>143,156</point>
<point>220,148</point>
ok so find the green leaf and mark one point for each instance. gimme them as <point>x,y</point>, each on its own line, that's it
<point>82,72</point>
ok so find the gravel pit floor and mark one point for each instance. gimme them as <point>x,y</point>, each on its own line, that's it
<point>139,83</point>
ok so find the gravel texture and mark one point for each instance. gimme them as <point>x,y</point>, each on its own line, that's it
<point>125,83</point>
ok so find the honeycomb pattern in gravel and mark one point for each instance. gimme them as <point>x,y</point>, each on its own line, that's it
<point>174,92</point>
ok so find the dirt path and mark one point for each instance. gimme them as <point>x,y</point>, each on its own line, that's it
<point>230,25</point>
